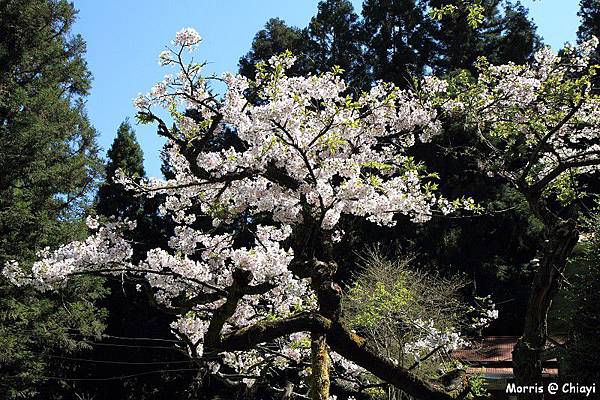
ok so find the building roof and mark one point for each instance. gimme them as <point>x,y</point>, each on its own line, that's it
<point>492,357</point>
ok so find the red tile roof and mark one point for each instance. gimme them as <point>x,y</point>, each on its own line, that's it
<point>499,373</point>
<point>492,357</point>
<point>490,349</point>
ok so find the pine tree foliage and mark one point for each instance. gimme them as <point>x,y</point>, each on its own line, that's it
<point>275,38</point>
<point>589,12</point>
<point>125,154</point>
<point>506,34</point>
<point>398,38</point>
<point>334,40</point>
<point>49,168</point>
<point>48,156</point>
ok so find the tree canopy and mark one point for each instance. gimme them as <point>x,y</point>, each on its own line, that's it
<point>337,221</point>
<point>50,167</point>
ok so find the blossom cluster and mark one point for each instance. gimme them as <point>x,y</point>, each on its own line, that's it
<point>429,339</point>
<point>487,313</point>
<point>309,153</point>
<point>187,37</point>
<point>339,155</point>
<point>106,250</point>
<point>546,113</point>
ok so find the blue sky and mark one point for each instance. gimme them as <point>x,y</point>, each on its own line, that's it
<point>124,39</point>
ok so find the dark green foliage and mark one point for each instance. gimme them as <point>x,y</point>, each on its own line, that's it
<point>48,155</point>
<point>125,154</point>
<point>589,12</point>
<point>583,296</point>
<point>276,38</point>
<point>334,39</point>
<point>398,39</point>
<point>49,164</point>
<point>40,333</point>
<point>504,35</point>
<point>519,39</point>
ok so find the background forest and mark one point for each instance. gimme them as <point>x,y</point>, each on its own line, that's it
<point>104,337</point>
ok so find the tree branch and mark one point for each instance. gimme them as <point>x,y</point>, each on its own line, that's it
<point>342,341</point>
<point>241,280</point>
<point>540,185</point>
<point>265,331</point>
<point>353,347</point>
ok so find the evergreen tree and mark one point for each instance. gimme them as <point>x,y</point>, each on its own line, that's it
<point>589,12</point>
<point>504,35</point>
<point>398,39</point>
<point>519,39</point>
<point>125,154</point>
<point>49,164</point>
<point>334,39</point>
<point>274,39</point>
<point>48,156</point>
<point>130,314</point>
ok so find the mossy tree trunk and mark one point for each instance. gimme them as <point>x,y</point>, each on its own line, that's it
<point>320,382</point>
<point>528,352</point>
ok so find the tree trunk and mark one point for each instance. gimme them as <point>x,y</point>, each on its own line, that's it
<point>320,367</point>
<point>527,353</point>
<point>329,296</point>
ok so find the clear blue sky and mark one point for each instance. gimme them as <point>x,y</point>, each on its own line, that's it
<point>124,39</point>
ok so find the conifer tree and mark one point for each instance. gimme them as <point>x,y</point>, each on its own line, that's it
<point>125,154</point>
<point>398,39</point>
<point>334,39</point>
<point>589,12</point>
<point>504,35</point>
<point>275,38</point>
<point>49,168</point>
<point>48,156</point>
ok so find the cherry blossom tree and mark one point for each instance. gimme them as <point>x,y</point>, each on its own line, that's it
<point>272,165</point>
<point>539,128</point>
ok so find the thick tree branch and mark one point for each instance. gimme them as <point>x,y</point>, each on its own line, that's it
<point>241,280</point>
<point>265,331</point>
<point>535,154</point>
<point>353,347</point>
<point>538,187</point>
<point>342,341</point>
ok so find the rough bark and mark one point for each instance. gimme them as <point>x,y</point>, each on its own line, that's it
<point>527,353</point>
<point>320,382</point>
<point>329,298</point>
<point>344,342</point>
<point>266,331</point>
<point>354,348</point>
<point>241,280</point>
